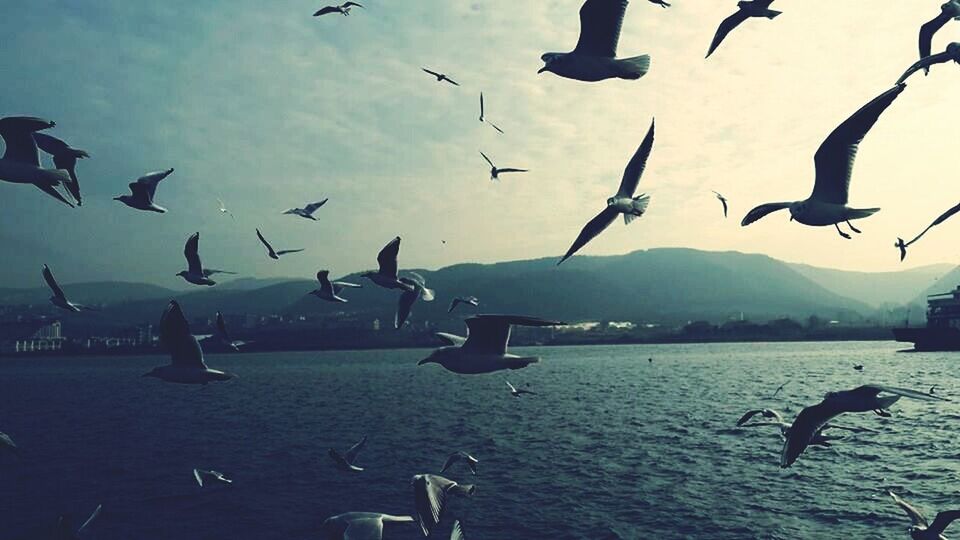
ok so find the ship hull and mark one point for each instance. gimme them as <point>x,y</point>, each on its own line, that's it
<point>930,339</point>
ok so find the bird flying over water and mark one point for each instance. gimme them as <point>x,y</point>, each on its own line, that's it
<point>496,172</point>
<point>224,337</point>
<point>943,217</point>
<point>408,298</point>
<point>827,205</point>
<point>307,211</point>
<point>441,77</point>
<point>359,525</point>
<point>186,357</point>
<point>205,477</point>
<point>329,290</point>
<point>485,349</point>
<point>386,275</point>
<point>746,10</point>
<point>430,494</point>
<point>143,191</point>
<point>515,392</point>
<point>948,11</point>
<point>483,119</point>
<point>345,462</point>
<point>195,272</point>
<point>952,53</point>
<point>458,457</point>
<point>623,202</point>
<point>779,388</point>
<point>275,255</point>
<point>469,300</point>
<point>920,528</point>
<point>723,201</point>
<point>59,299</point>
<point>64,158</point>
<point>343,9</point>
<point>595,56</point>
<point>21,159</point>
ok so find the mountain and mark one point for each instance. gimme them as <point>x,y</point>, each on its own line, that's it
<point>87,293</point>
<point>948,282</point>
<point>875,288</point>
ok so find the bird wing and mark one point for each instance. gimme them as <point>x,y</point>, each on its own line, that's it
<point>600,23</point>
<point>52,283</point>
<point>175,336</point>
<point>451,459</point>
<point>905,392</point>
<point>834,159</point>
<point>943,217</point>
<point>148,182</point>
<point>434,73</point>
<point>928,30</point>
<point>509,170</point>
<point>925,63</point>
<point>590,231</point>
<point>512,388</point>
<point>64,157</point>
<point>191,250</point>
<point>222,327</point>
<point>916,516</point>
<point>349,4</point>
<point>457,532</point>
<point>430,495</point>
<point>725,28</point>
<point>311,208</point>
<point>634,170</point>
<point>364,529</point>
<point>265,243</point>
<point>806,425</point>
<point>942,521</point>
<point>494,126</point>
<point>17,133</point>
<point>490,333</point>
<point>453,304</point>
<point>761,211</point>
<point>387,258</point>
<point>325,285</point>
<point>289,251</point>
<point>488,160</point>
<point>481,106</point>
<point>351,454</point>
<point>451,81</point>
<point>748,415</point>
<point>93,517</point>
<point>325,11</point>
<point>451,339</point>
<point>406,301</point>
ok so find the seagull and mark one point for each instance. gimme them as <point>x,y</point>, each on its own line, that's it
<point>920,528</point>
<point>359,525</point>
<point>224,337</point>
<point>933,389</point>
<point>342,8</point>
<point>818,439</point>
<point>485,349</point>
<point>64,158</point>
<point>275,255</point>
<point>827,205</point>
<point>143,191</point>
<point>195,272</point>
<point>407,298</point>
<point>457,457</point>
<point>952,53</point>
<point>858,367</point>
<point>595,56</point>
<point>59,299</point>
<point>483,120</point>
<point>223,209</point>
<point>211,476</point>
<point>451,339</point>
<point>329,290</point>
<point>307,211</point>
<point>943,217</point>
<point>517,393</point>
<point>186,357</point>
<point>948,11</point>
<point>747,9</point>
<point>386,275</point>
<point>21,159</point>
<point>723,201</point>
<point>430,497</point>
<point>766,413</point>
<point>495,172</point>
<point>469,300</point>
<point>861,399</point>
<point>345,462</point>
<point>779,388</point>
<point>623,202</point>
<point>7,444</point>
<point>661,3</point>
<point>441,77</point>
<point>65,528</point>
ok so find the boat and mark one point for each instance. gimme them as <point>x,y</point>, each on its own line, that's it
<point>942,332</point>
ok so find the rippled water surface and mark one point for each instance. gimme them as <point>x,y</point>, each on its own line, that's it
<point>613,447</point>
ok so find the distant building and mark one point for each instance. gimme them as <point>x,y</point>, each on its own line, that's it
<point>26,336</point>
<point>376,325</point>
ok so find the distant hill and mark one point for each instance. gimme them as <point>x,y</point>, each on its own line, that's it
<point>107,292</point>
<point>948,282</point>
<point>876,288</point>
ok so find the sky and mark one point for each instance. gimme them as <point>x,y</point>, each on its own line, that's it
<point>264,106</point>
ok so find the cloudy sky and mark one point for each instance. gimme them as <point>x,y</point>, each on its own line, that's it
<point>266,107</point>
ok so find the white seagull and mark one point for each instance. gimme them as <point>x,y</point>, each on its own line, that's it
<point>386,275</point>
<point>407,298</point>
<point>441,77</point>
<point>195,272</point>
<point>186,357</point>
<point>469,300</point>
<point>457,457</point>
<point>948,11</point>
<point>518,392</point>
<point>203,476</point>
<point>920,528</point>
<point>430,497</point>
<point>952,53</point>
<point>307,211</point>
<point>595,56</point>
<point>143,191</point>
<point>59,299</point>
<point>275,255</point>
<point>485,349</point>
<point>482,119</point>
<point>359,525</point>
<point>623,202</point>
<point>223,209</point>
<point>21,159</point>
<point>496,172</point>
<point>224,337</point>
<point>943,217</point>
<point>827,205</point>
<point>818,439</point>
<point>343,9</point>
<point>328,290</point>
<point>64,158</point>
<point>747,9</point>
<point>345,462</point>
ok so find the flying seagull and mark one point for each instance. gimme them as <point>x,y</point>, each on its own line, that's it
<point>943,217</point>
<point>343,9</point>
<point>203,476</point>
<point>457,457</point>
<point>595,56</point>
<point>952,53</point>
<point>517,393</point>
<point>223,209</point>
<point>482,119</point>
<point>441,77</point>
<point>819,438</point>
<point>662,3</point>
<point>64,158</point>
<point>359,525</point>
<point>224,337</point>
<point>21,159</point>
<point>948,11</point>
<point>747,9</point>
<point>345,462</point>
<point>623,202</point>
<point>430,498</point>
<point>485,349</point>
<point>195,272</point>
<point>861,399</point>
<point>408,298</point>
<point>386,275</point>
<point>7,444</point>
<point>920,528</point>
<point>143,191</point>
<point>723,201</point>
<point>307,211</point>
<point>65,528</point>
<point>186,357</point>
<point>779,388</point>
<point>275,255</point>
<point>495,172</point>
<point>328,290</point>
<point>469,300</point>
<point>827,205</point>
<point>59,299</point>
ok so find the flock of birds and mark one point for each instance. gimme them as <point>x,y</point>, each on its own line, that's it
<point>484,349</point>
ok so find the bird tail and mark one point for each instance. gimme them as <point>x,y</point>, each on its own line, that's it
<point>637,208</point>
<point>464,490</point>
<point>860,213</point>
<point>634,68</point>
<point>771,13</point>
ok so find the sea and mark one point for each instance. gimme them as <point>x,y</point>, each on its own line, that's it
<point>619,442</point>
